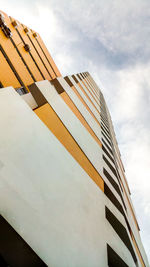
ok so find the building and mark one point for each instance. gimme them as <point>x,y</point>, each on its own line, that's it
<point>64,197</point>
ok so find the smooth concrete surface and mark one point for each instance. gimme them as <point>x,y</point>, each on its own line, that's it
<point>77,130</point>
<point>55,209</point>
<point>47,197</point>
<point>85,98</point>
<point>87,92</point>
<point>85,113</point>
<point>93,151</point>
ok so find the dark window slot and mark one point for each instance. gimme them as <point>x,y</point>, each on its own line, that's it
<point>105,123</point>
<point>121,231</point>
<point>110,166</point>
<point>21,91</point>
<point>14,250</point>
<point>114,260</point>
<point>1,86</point>
<point>106,138</point>
<point>107,153</point>
<point>113,199</point>
<point>115,185</point>
<point>106,129</point>
<point>75,79</point>
<point>110,150</point>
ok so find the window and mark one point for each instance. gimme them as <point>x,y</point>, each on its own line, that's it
<point>113,199</point>
<point>14,251</point>
<point>114,184</point>
<point>107,146</point>
<point>114,259</point>
<point>21,91</point>
<point>121,231</point>
<point>110,166</point>
<point>106,138</point>
<point>1,86</point>
<point>107,153</point>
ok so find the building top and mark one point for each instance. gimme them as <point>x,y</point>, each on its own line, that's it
<point>24,58</point>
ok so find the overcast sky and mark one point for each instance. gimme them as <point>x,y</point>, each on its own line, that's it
<point>111,40</point>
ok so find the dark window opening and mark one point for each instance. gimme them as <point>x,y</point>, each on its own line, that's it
<point>114,184</point>
<point>21,91</point>
<point>121,231</point>
<point>106,129</point>
<point>114,170</point>
<point>107,153</point>
<point>110,166</point>
<point>1,86</point>
<point>14,251</point>
<point>108,147</point>
<point>106,138</point>
<point>114,259</point>
<point>113,199</point>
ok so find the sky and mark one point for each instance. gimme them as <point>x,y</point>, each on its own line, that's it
<point>111,40</point>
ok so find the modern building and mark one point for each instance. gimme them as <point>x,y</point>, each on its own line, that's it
<point>64,197</point>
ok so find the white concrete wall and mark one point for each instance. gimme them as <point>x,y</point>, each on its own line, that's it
<point>85,98</point>
<point>47,197</point>
<point>88,93</point>
<point>84,139</point>
<point>85,113</point>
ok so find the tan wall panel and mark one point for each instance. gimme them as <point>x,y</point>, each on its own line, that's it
<point>29,61</point>
<point>92,88</point>
<point>13,55</point>
<point>138,252</point>
<point>35,54</point>
<point>131,209</point>
<point>52,74</point>
<point>79,96</point>
<point>5,72</point>
<point>51,120</point>
<point>81,87</point>
<point>71,105</point>
<point>90,93</point>
<point>58,74</point>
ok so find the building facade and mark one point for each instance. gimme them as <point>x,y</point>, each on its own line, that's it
<point>64,197</point>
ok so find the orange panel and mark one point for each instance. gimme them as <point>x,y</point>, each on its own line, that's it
<point>92,88</point>
<point>36,52</point>
<point>84,103</point>
<point>132,211</point>
<point>81,87</point>
<point>90,93</point>
<point>13,55</point>
<point>42,54</point>
<point>5,72</point>
<point>138,251</point>
<point>52,121</point>
<point>72,106</point>
<point>57,72</point>
<point>26,55</point>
